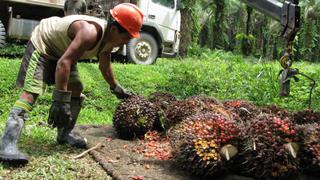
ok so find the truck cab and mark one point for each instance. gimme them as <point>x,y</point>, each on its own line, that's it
<point>160,33</point>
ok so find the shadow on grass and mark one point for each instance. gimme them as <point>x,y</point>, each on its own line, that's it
<point>10,165</point>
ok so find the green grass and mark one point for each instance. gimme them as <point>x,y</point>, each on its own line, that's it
<point>218,74</point>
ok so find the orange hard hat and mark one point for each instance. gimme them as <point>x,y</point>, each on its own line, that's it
<point>129,16</point>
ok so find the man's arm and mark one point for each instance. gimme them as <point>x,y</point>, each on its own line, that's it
<point>106,68</point>
<point>85,36</point>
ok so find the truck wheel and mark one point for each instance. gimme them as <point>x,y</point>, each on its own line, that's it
<point>2,35</point>
<point>143,50</point>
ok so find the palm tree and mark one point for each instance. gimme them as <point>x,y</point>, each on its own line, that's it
<point>188,23</point>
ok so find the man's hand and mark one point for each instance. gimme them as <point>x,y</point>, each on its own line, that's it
<point>120,92</point>
<point>60,110</point>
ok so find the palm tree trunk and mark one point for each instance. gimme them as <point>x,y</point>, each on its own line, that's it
<point>245,45</point>
<point>186,31</point>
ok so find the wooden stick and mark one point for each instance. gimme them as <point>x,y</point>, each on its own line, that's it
<point>87,151</point>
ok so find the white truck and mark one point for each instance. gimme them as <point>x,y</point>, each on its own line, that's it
<point>160,33</point>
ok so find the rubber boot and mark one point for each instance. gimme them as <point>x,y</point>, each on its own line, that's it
<point>65,136</point>
<point>8,148</point>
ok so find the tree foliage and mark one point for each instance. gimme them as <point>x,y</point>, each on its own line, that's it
<point>232,26</point>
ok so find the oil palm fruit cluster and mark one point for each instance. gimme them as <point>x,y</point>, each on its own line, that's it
<point>134,116</point>
<point>306,116</point>
<point>206,100</point>
<point>275,110</point>
<point>243,109</point>
<point>269,149</point>
<point>162,101</point>
<point>201,157</point>
<point>181,109</point>
<point>310,148</point>
<point>204,143</point>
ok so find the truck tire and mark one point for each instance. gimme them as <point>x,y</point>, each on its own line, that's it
<point>143,50</point>
<point>2,35</point>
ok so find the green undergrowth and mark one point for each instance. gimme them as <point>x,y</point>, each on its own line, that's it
<point>12,51</point>
<point>218,74</point>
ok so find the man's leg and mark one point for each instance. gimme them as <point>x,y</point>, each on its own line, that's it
<point>65,136</point>
<point>9,151</point>
<point>33,68</point>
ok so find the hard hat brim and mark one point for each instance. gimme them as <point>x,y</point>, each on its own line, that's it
<point>135,35</point>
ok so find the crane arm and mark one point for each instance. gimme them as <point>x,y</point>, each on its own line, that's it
<point>287,13</point>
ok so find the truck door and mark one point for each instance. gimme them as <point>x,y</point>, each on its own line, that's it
<point>164,14</point>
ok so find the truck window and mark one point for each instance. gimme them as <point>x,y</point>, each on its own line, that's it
<point>167,3</point>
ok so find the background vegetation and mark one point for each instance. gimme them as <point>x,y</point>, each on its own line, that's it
<point>232,26</point>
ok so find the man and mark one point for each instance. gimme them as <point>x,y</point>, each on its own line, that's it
<point>95,9</point>
<point>51,57</point>
<point>72,7</point>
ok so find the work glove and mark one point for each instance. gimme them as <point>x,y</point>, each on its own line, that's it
<point>60,110</point>
<point>120,92</point>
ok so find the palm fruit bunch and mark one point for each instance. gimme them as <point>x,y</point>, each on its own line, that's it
<point>273,109</point>
<point>306,116</point>
<point>243,109</point>
<point>310,148</point>
<point>162,101</point>
<point>204,143</point>
<point>269,149</point>
<point>133,117</point>
<point>181,109</point>
<point>206,100</point>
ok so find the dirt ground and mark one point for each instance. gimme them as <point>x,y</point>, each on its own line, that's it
<point>120,161</point>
